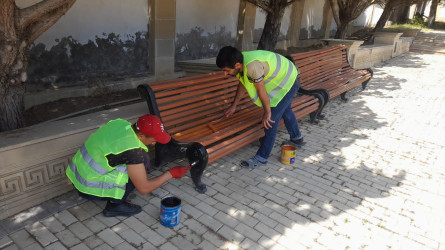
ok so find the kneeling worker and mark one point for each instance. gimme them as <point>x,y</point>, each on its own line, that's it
<point>114,161</point>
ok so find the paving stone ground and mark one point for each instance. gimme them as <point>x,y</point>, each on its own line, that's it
<point>371,177</point>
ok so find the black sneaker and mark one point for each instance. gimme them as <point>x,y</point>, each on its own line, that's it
<point>296,143</point>
<point>122,209</point>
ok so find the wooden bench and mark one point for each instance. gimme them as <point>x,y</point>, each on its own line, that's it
<point>192,110</point>
<point>328,68</point>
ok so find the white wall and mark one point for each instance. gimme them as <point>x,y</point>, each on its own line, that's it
<point>312,14</point>
<point>369,17</point>
<point>441,11</point>
<point>207,14</point>
<point>88,18</point>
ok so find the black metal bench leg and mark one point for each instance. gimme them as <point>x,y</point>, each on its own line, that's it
<point>326,98</point>
<point>314,116</point>
<point>198,158</point>
<point>364,84</point>
<point>343,97</point>
<point>322,96</point>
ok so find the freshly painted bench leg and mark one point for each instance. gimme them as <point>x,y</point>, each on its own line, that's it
<point>172,148</point>
<point>158,154</point>
<point>198,158</point>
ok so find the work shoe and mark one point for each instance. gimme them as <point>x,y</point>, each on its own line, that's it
<point>296,143</point>
<point>121,209</point>
<point>252,163</point>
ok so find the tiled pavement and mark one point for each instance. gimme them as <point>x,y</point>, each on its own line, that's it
<point>371,177</point>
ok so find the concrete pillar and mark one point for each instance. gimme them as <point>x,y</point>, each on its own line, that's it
<point>327,20</point>
<point>293,32</point>
<point>162,22</point>
<point>246,26</point>
<point>388,38</point>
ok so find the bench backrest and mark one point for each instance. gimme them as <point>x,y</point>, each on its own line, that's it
<point>190,102</point>
<point>317,66</point>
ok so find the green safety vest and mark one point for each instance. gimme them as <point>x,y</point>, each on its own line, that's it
<point>89,170</point>
<point>279,80</point>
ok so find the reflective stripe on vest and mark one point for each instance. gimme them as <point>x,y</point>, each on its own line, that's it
<point>100,170</point>
<point>277,82</point>
<point>275,73</point>
<point>93,184</point>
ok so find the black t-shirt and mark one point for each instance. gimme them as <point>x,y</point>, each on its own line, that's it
<point>132,156</point>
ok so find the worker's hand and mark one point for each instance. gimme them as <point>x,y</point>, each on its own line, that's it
<point>230,111</point>
<point>179,171</point>
<point>267,121</point>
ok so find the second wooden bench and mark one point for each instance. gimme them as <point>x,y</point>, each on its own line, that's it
<point>328,68</point>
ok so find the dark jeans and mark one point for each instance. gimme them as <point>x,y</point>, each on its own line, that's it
<point>128,188</point>
<point>282,110</point>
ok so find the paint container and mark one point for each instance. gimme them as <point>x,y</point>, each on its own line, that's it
<point>288,153</point>
<point>170,211</point>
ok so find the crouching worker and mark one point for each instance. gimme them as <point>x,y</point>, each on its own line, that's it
<point>114,161</point>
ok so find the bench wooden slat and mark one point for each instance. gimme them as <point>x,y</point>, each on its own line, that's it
<point>329,69</point>
<point>186,101</point>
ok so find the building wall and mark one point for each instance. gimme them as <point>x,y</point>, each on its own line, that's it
<point>204,26</point>
<point>206,14</point>
<point>112,36</point>
<point>369,17</point>
<point>89,18</point>
<point>312,19</point>
<point>94,39</point>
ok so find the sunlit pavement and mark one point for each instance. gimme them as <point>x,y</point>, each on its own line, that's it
<point>370,177</point>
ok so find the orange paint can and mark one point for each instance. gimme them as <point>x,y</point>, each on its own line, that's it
<point>288,154</point>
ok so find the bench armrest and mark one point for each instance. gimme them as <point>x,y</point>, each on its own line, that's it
<point>146,93</point>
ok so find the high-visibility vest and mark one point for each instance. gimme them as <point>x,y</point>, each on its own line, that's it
<point>89,170</point>
<point>279,80</point>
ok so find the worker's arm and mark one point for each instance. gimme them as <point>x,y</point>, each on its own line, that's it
<point>143,185</point>
<point>264,97</point>
<point>239,93</point>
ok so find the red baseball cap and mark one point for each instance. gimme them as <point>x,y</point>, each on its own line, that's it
<point>152,126</point>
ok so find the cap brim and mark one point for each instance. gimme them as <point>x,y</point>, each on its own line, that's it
<point>162,138</point>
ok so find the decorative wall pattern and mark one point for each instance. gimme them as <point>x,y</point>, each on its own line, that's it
<point>32,179</point>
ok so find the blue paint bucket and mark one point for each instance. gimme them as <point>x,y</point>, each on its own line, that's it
<point>170,211</point>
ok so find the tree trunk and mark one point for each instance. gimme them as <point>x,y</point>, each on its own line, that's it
<point>271,31</point>
<point>18,29</point>
<point>12,70</point>
<point>383,18</point>
<point>12,84</point>
<point>342,29</point>
<point>432,15</point>
<point>420,7</point>
<point>12,107</point>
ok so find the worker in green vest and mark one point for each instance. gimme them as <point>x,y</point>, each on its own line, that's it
<point>114,161</point>
<point>271,81</point>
